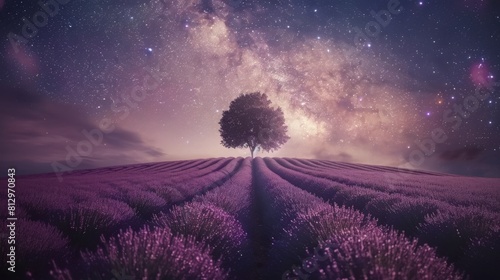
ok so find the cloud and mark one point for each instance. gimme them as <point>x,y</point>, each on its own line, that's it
<point>326,154</point>
<point>465,153</point>
<point>467,161</point>
<point>38,131</point>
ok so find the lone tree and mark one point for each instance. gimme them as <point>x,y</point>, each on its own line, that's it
<point>252,123</point>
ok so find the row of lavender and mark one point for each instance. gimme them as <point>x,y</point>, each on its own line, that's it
<point>311,239</point>
<point>466,191</point>
<point>201,239</point>
<point>57,220</point>
<point>453,214</point>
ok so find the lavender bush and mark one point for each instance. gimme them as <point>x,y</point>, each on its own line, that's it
<point>144,203</point>
<point>44,206</point>
<point>312,226</point>
<point>408,213</point>
<point>376,254</point>
<point>169,194</point>
<point>209,224</point>
<point>452,232</point>
<point>381,206</point>
<point>146,254</point>
<point>36,244</point>
<point>83,223</point>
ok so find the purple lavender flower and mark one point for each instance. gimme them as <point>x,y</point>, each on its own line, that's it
<point>375,254</point>
<point>209,224</point>
<point>146,254</point>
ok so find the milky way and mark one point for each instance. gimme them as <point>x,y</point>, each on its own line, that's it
<point>345,96</point>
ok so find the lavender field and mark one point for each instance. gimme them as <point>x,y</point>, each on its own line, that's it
<point>261,218</point>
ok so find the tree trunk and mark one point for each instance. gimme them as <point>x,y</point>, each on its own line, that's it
<point>253,149</point>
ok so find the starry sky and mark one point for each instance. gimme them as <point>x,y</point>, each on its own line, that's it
<point>402,83</point>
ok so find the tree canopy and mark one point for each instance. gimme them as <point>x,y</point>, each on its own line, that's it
<point>252,123</point>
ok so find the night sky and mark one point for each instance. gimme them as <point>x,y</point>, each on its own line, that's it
<point>354,84</point>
